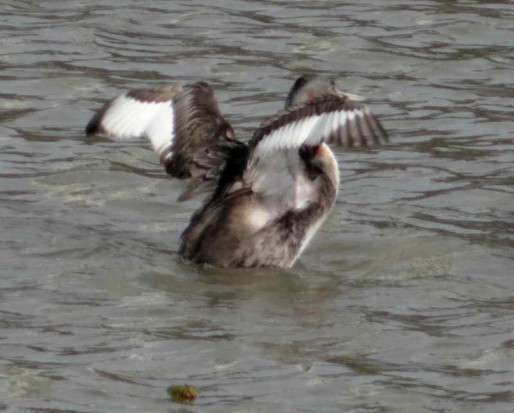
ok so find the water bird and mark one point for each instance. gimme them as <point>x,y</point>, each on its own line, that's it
<point>265,199</point>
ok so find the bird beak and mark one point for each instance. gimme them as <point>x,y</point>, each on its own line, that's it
<point>350,96</point>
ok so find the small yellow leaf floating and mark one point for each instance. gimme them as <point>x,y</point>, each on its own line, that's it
<point>182,392</point>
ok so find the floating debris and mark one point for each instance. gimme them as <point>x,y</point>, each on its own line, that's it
<point>182,392</point>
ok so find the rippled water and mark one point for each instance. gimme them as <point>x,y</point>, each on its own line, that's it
<point>403,302</point>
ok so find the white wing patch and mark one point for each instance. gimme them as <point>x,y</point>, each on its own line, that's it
<point>129,118</point>
<point>312,131</point>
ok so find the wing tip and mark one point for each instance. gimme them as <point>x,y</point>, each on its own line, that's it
<point>94,126</point>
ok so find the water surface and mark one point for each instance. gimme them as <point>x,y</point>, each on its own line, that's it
<point>402,303</point>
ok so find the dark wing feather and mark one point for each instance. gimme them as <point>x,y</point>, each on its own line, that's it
<point>199,129</point>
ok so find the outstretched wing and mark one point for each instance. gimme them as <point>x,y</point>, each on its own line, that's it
<point>332,119</point>
<point>183,124</point>
<point>275,166</point>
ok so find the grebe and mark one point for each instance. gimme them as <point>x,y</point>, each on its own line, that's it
<point>265,199</point>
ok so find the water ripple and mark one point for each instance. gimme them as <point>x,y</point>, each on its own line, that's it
<point>403,299</point>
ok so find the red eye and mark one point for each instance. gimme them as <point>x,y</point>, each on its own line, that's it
<point>315,150</point>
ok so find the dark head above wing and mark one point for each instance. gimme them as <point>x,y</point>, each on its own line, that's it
<point>309,87</point>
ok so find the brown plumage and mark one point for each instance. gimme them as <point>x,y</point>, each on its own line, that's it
<point>265,199</point>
